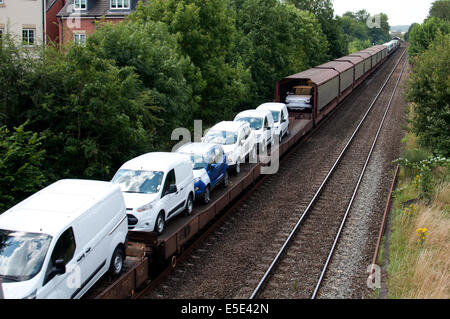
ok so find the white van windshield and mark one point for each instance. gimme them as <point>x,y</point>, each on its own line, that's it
<point>221,137</point>
<point>136,181</point>
<point>22,254</point>
<point>255,122</point>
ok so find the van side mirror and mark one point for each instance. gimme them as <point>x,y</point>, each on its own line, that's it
<point>59,267</point>
<point>172,189</point>
<point>283,121</point>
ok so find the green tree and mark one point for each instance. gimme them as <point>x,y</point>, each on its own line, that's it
<point>275,40</point>
<point>421,36</point>
<point>21,165</point>
<point>206,32</point>
<point>440,9</point>
<point>429,91</point>
<point>323,10</point>
<point>173,81</point>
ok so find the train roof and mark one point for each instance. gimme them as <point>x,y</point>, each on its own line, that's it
<point>340,66</point>
<point>317,76</point>
<point>352,59</point>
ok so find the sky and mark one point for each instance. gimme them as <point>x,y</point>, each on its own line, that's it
<point>400,12</point>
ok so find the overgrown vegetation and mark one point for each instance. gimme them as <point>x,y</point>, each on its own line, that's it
<point>418,265</point>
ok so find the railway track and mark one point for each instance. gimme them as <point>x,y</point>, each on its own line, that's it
<point>300,265</point>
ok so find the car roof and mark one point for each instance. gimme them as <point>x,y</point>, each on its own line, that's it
<point>254,113</point>
<point>272,106</point>
<point>157,161</point>
<point>55,207</point>
<point>228,126</point>
<point>197,148</point>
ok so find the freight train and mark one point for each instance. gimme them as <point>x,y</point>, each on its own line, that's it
<point>309,96</point>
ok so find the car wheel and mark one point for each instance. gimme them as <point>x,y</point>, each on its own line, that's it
<point>226,180</point>
<point>117,262</point>
<point>238,166</point>
<point>189,205</point>
<point>160,223</point>
<point>281,137</point>
<point>207,195</point>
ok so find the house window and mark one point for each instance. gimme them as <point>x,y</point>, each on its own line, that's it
<point>120,4</point>
<point>79,4</point>
<point>79,38</point>
<point>28,37</point>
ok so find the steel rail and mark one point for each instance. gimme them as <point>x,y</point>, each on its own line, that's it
<point>355,191</point>
<point>319,191</point>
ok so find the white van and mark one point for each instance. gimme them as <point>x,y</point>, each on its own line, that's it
<point>280,117</point>
<point>156,188</point>
<point>58,242</point>
<point>261,122</point>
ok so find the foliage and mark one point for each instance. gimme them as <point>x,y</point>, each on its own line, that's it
<point>21,164</point>
<point>357,30</point>
<point>420,37</point>
<point>424,170</point>
<point>206,32</point>
<point>172,81</point>
<point>440,9</point>
<point>323,10</point>
<point>429,91</point>
<point>275,40</point>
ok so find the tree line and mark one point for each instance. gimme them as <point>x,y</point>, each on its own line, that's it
<point>83,110</point>
<point>429,84</point>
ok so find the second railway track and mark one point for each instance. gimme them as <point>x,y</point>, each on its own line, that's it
<point>234,258</point>
<point>300,265</point>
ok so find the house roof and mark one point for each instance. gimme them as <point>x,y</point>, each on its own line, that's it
<point>96,8</point>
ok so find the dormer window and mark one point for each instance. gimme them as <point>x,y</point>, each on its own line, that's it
<point>79,4</point>
<point>120,4</point>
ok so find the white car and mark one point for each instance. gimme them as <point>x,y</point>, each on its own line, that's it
<point>156,187</point>
<point>261,122</point>
<point>57,243</point>
<point>237,140</point>
<point>280,116</point>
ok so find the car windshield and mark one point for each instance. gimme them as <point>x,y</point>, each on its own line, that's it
<point>22,254</point>
<point>255,122</point>
<point>221,137</point>
<point>198,161</point>
<point>276,116</point>
<point>137,181</point>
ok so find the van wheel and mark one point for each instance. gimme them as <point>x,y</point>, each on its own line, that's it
<point>117,262</point>
<point>189,205</point>
<point>160,223</point>
<point>207,195</point>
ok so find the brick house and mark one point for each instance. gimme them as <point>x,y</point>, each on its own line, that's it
<point>52,28</point>
<point>77,18</point>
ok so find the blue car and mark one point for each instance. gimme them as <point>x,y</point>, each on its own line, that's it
<point>209,165</point>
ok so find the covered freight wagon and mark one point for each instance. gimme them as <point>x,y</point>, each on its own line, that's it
<point>367,57</point>
<point>346,75</point>
<point>323,85</point>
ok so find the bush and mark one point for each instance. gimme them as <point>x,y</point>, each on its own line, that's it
<point>21,162</point>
